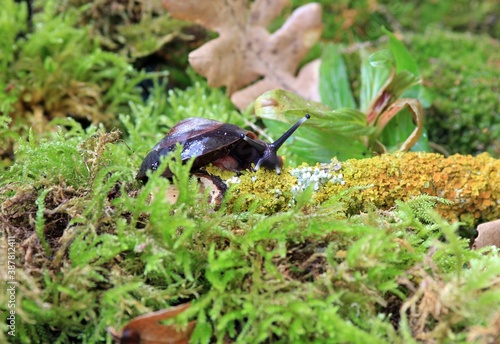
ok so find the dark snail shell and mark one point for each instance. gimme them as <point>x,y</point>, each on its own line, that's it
<point>222,144</point>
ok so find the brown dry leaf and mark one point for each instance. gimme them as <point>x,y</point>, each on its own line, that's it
<point>488,235</point>
<point>246,51</point>
<point>147,329</point>
<point>417,113</point>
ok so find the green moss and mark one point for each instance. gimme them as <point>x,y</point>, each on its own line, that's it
<point>95,248</point>
<point>56,69</point>
<point>361,20</point>
<point>461,15</point>
<point>115,249</point>
<point>460,70</point>
<point>47,162</point>
<point>133,30</point>
<point>421,205</point>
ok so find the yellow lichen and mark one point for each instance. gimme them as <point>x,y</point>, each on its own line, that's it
<point>223,174</point>
<point>471,183</point>
<point>270,190</point>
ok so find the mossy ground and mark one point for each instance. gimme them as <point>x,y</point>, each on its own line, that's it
<point>462,72</point>
<point>95,248</point>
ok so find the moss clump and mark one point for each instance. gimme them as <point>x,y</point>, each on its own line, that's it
<point>56,70</point>
<point>133,30</point>
<point>462,72</point>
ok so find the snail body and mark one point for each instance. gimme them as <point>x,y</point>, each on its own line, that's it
<point>225,145</point>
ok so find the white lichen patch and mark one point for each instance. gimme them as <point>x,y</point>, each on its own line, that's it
<point>317,176</point>
<point>336,166</point>
<point>233,180</point>
<point>337,179</point>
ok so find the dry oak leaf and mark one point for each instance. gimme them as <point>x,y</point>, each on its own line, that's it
<point>246,51</point>
<point>146,329</point>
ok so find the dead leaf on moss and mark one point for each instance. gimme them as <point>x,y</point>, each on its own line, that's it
<point>488,235</point>
<point>147,329</point>
<point>246,51</point>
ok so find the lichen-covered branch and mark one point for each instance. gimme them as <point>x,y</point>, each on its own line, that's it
<point>471,183</point>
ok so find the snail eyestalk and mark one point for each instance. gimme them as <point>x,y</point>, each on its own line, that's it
<point>260,146</point>
<point>279,142</point>
<point>269,158</point>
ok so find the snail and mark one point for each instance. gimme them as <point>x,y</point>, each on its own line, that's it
<point>225,145</point>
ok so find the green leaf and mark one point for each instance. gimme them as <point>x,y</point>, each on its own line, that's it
<point>347,122</point>
<point>375,72</point>
<point>422,144</point>
<point>388,91</point>
<point>334,85</point>
<point>406,62</point>
<point>402,57</point>
<point>400,83</point>
<point>327,134</point>
<point>288,107</point>
<point>314,145</point>
<point>382,59</point>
